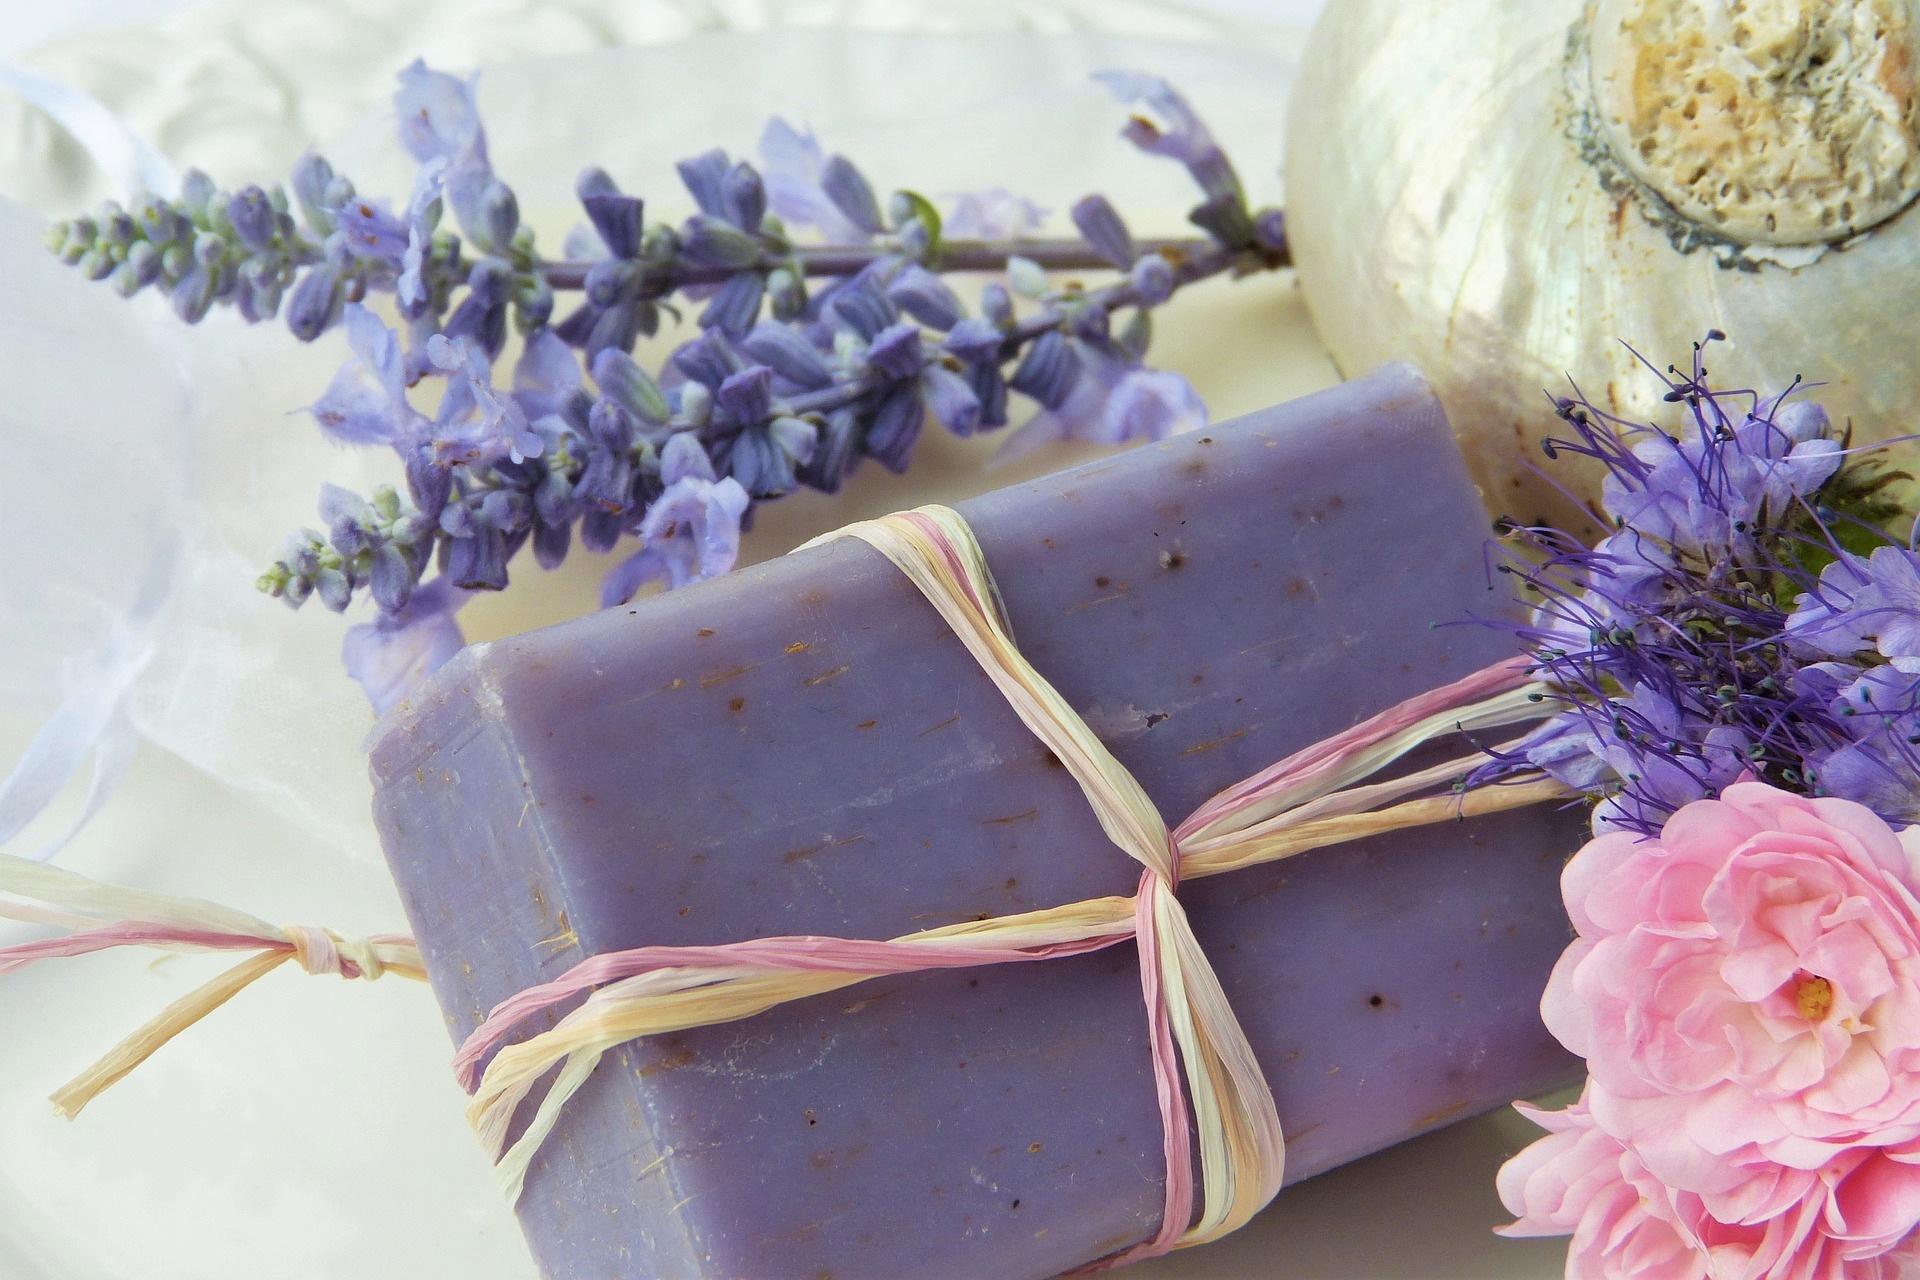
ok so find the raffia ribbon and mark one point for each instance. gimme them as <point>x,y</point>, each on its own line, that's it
<point>1302,803</point>
<point>1312,799</point>
<point>100,917</point>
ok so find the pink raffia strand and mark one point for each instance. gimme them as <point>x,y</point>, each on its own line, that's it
<point>854,958</point>
<point>1495,695</point>
<point>1176,1133</point>
<point>1312,799</point>
<point>101,917</point>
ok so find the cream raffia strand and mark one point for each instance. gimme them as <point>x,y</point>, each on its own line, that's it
<point>100,917</point>
<point>1307,801</point>
<point>1242,1155</point>
<point>1317,797</point>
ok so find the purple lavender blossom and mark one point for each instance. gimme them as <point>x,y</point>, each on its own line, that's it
<point>481,317</point>
<point>1153,279</point>
<point>691,532</point>
<point>925,296</point>
<point>616,311</point>
<point>476,421</point>
<point>394,653</point>
<point>994,213</point>
<point>367,401</point>
<point>906,382</point>
<point>807,190</point>
<point>1150,404</point>
<point>437,115</point>
<point>411,287</point>
<point>615,216</point>
<point>546,377</point>
<point>388,539</point>
<point>439,120</point>
<point>1110,399</point>
<point>1174,130</point>
<point>369,229</point>
<point>313,307</point>
<point>1103,228</point>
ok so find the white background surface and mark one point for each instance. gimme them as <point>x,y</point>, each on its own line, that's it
<point>271,1141</point>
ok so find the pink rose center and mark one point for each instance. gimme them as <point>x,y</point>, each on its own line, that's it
<point>1813,996</point>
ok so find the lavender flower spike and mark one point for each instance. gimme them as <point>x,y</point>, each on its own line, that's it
<point>855,368</point>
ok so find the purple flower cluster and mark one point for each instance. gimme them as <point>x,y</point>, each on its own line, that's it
<point>811,358</point>
<point>1749,613</point>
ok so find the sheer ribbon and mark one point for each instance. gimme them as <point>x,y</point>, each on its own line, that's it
<point>92,719</point>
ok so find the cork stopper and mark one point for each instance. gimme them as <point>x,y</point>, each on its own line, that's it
<point>1779,122</point>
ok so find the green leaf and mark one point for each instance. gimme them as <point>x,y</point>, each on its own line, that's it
<point>928,216</point>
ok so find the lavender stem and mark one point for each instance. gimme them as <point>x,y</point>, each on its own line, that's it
<point>1196,261</point>
<point>1205,259</point>
<point>1054,254</point>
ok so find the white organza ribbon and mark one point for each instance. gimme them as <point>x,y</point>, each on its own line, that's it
<point>92,720</point>
<point>129,161</point>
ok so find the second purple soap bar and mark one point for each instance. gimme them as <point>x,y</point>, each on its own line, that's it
<point>803,747</point>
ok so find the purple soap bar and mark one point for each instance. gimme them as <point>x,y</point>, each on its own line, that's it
<point>803,747</point>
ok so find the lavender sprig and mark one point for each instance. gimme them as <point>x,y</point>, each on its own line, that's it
<point>205,248</point>
<point>812,357</point>
<point>1752,611</point>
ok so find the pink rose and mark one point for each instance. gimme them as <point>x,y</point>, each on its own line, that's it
<point>1578,1180</point>
<point>1627,1224</point>
<point>1746,991</point>
<point>1746,988</point>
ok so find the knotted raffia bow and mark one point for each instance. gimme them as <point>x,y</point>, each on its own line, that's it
<point>100,917</point>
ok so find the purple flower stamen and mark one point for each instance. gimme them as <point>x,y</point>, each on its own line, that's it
<point>1723,627</point>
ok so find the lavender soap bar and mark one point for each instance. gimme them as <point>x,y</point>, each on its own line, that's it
<point>803,747</point>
